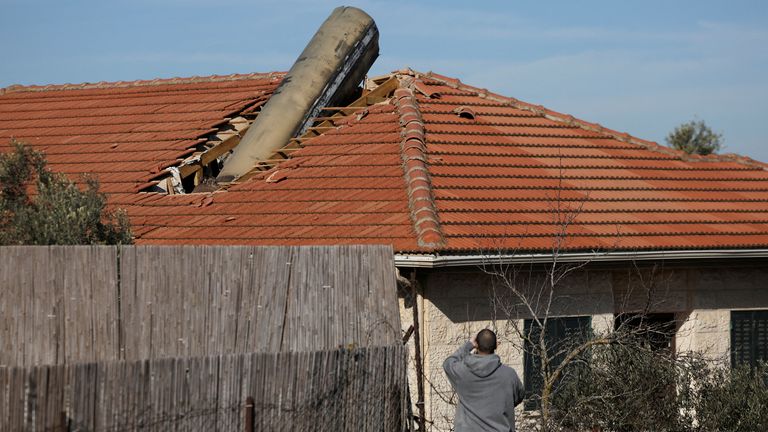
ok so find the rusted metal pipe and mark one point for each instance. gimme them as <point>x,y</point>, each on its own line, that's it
<point>328,70</point>
<point>249,414</point>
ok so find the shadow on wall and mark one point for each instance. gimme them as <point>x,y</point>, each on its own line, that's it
<point>469,294</point>
<point>473,295</point>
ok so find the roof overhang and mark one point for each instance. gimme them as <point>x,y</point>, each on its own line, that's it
<point>435,261</point>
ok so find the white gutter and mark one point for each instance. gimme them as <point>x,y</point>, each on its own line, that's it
<point>433,261</point>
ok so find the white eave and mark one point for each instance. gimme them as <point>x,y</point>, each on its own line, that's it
<point>434,261</point>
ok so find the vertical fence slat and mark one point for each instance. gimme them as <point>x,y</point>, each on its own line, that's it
<point>181,301</point>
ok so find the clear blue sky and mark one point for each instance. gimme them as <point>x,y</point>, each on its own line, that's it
<point>641,66</point>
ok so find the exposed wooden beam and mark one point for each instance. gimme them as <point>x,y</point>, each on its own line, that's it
<point>169,186</point>
<point>189,169</point>
<point>379,94</point>
<point>210,155</point>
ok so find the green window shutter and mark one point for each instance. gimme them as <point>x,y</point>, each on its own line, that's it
<point>531,367</point>
<point>761,336</point>
<point>749,337</point>
<point>559,333</point>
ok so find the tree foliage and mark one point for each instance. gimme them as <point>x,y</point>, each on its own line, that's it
<point>695,137</point>
<point>619,387</point>
<point>628,388</point>
<point>731,399</point>
<point>41,207</point>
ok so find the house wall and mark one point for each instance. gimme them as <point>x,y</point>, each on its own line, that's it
<point>457,302</point>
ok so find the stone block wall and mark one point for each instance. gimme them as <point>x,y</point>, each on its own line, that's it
<point>458,302</point>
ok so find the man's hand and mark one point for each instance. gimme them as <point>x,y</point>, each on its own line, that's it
<point>473,340</point>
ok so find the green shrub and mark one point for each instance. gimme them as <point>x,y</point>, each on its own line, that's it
<point>622,387</point>
<point>695,137</point>
<point>625,387</point>
<point>40,207</point>
<point>733,399</point>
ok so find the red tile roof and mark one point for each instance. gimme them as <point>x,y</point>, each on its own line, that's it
<point>126,133</point>
<point>518,176</point>
<point>345,187</point>
<point>441,167</point>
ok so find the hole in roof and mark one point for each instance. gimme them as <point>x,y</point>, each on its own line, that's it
<point>198,172</point>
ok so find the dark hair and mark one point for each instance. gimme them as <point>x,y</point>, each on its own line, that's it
<point>486,341</point>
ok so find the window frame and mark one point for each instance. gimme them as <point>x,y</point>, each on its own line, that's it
<point>658,330</point>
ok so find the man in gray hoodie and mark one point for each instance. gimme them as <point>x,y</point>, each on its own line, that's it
<point>488,390</point>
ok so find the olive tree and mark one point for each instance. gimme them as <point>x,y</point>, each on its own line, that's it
<point>40,207</point>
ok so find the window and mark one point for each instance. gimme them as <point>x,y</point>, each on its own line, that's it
<point>560,333</point>
<point>655,330</point>
<point>749,337</point>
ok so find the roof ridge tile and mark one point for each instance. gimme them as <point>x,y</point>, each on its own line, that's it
<point>18,88</point>
<point>421,200</point>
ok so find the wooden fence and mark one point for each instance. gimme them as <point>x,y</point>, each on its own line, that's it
<point>345,390</point>
<point>74,304</point>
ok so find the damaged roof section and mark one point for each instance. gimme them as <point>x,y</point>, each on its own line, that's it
<point>197,173</point>
<point>327,72</point>
<point>343,186</point>
<point>128,134</point>
<point>168,135</point>
<point>376,91</point>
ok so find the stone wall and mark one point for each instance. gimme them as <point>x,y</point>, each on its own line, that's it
<point>458,302</point>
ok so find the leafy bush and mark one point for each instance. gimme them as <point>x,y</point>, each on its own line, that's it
<point>695,137</point>
<point>622,387</point>
<point>732,400</point>
<point>40,207</point>
<point>625,387</point>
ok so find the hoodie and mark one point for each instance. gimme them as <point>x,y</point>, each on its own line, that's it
<point>488,391</point>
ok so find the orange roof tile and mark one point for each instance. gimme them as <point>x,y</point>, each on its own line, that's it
<point>516,175</point>
<point>441,167</point>
<point>126,133</point>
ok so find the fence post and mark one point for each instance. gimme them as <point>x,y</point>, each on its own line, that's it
<point>30,414</point>
<point>249,414</point>
<point>63,422</point>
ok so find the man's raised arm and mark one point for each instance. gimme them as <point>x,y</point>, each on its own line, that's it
<point>454,359</point>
